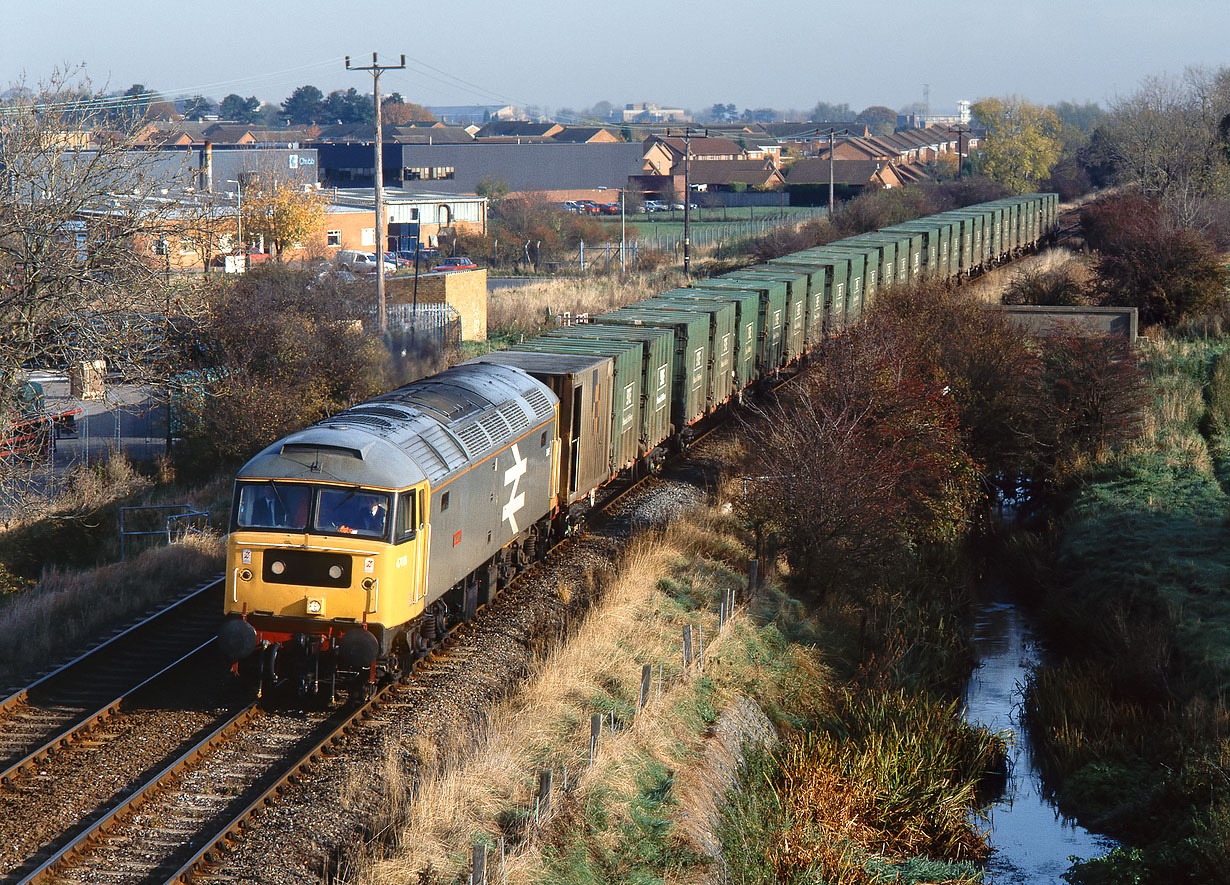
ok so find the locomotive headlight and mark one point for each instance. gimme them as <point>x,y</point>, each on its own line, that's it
<point>315,606</point>
<point>277,566</point>
<point>335,572</point>
<point>246,575</point>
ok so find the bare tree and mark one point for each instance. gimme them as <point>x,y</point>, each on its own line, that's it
<point>88,225</point>
<point>1168,139</point>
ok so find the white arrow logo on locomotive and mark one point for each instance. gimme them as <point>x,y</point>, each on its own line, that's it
<point>512,476</point>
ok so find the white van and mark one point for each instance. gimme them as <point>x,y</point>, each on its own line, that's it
<point>359,262</point>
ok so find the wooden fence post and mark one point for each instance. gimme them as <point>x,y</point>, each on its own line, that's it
<point>687,646</point>
<point>544,791</point>
<point>646,678</point>
<point>595,729</point>
<point>478,873</point>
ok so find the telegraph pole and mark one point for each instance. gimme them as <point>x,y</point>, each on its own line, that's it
<point>376,70</point>
<point>688,132</point>
<point>832,147</point>
<point>961,132</point>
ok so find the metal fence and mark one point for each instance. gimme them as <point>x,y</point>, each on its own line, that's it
<point>147,526</point>
<point>412,326</point>
<point>721,233</point>
<point>591,256</point>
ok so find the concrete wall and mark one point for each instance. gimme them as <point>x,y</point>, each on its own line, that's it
<point>464,290</point>
<point>1046,320</point>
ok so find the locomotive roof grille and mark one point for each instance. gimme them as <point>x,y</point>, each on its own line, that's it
<point>538,400</point>
<point>381,411</point>
<point>475,437</point>
<point>358,418</point>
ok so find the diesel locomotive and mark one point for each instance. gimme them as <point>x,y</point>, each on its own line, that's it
<point>356,543</point>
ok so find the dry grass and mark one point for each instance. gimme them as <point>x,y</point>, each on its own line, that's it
<point>525,310</point>
<point>491,791</point>
<point>990,287</point>
<point>26,496</point>
<point>66,609</point>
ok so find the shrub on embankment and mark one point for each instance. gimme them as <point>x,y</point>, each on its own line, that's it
<point>1131,720</point>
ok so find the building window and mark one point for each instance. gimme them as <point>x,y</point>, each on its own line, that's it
<point>428,173</point>
<point>159,246</point>
<point>333,238</point>
<point>368,237</point>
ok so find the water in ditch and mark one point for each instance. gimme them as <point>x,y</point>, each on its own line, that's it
<point>1033,842</point>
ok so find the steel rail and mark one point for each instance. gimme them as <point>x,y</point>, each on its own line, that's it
<point>20,696</point>
<point>213,847</point>
<point>74,732</point>
<point>46,871</point>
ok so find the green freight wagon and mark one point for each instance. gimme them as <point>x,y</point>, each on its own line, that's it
<point>908,248</point>
<point>802,286</point>
<point>886,250</point>
<point>847,309</point>
<point>864,271</point>
<point>960,259</point>
<point>836,272</point>
<point>827,293</point>
<point>747,327</point>
<point>795,309</point>
<point>932,246</point>
<point>689,375</point>
<point>721,370</point>
<point>624,406</point>
<point>772,324</point>
<point>657,369</point>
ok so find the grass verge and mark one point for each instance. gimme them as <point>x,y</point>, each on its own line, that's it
<point>695,784</point>
<point>1131,722</point>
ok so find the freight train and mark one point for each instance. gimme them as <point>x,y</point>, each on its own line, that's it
<point>357,543</point>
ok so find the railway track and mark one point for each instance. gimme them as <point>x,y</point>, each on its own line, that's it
<point>66,704</point>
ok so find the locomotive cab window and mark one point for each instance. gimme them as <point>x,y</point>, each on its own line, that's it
<point>276,506</point>
<point>352,512</point>
<point>407,518</point>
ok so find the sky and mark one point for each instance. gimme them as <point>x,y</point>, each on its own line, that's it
<point>785,54</point>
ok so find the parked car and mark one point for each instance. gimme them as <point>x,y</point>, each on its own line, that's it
<point>680,205</point>
<point>457,263</point>
<point>587,207</point>
<point>426,255</point>
<point>397,260</point>
<point>656,206</point>
<point>361,262</point>
<point>608,208</point>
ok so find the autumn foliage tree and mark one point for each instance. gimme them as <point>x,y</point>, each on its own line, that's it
<point>1022,141</point>
<point>864,461</point>
<point>1148,261</point>
<point>283,212</point>
<point>916,416</point>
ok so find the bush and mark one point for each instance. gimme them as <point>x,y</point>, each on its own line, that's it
<point>1146,261</point>
<point>277,352</point>
<point>1059,286</point>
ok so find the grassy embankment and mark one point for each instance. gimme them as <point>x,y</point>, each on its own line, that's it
<point>851,768</point>
<point>63,585</point>
<point>1132,719</point>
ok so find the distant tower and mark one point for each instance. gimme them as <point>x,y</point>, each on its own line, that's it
<point>926,99</point>
<point>963,111</point>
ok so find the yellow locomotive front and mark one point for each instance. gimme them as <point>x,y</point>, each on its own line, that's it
<point>329,562</point>
<point>321,577</point>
